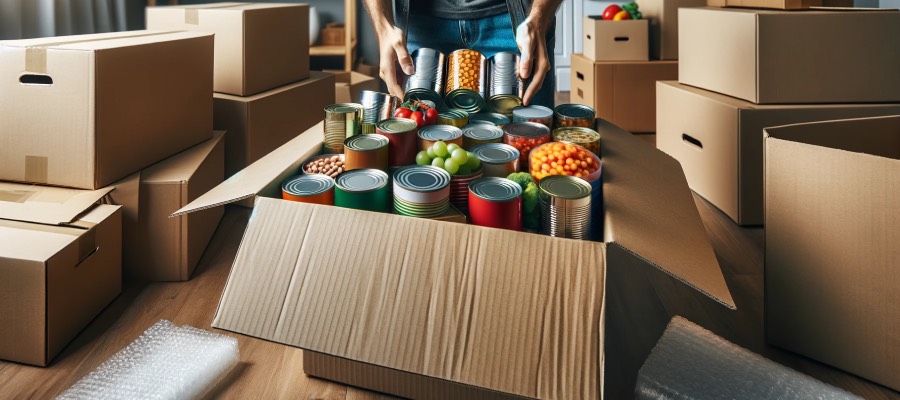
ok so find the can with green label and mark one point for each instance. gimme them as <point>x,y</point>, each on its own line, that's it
<point>363,189</point>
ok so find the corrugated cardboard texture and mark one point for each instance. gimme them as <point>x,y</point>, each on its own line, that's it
<point>349,85</point>
<point>118,102</point>
<point>54,280</point>
<point>832,228</point>
<point>45,204</point>
<point>722,152</point>
<point>623,93</point>
<point>616,40</point>
<point>780,57</point>
<point>258,124</point>
<point>258,46</point>
<point>663,17</point>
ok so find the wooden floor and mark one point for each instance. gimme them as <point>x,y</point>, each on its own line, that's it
<point>268,370</point>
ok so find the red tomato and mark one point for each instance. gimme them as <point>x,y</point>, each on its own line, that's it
<point>431,116</point>
<point>610,12</point>
<point>418,117</point>
<point>402,112</point>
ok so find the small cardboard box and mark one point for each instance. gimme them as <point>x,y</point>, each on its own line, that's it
<point>663,18</point>
<point>85,111</point>
<point>719,141</point>
<point>259,46</point>
<point>428,309</point>
<point>832,229</point>
<point>626,40</point>
<point>783,57</point>
<point>54,279</point>
<point>623,93</point>
<point>349,85</point>
<point>258,124</point>
<point>158,247</point>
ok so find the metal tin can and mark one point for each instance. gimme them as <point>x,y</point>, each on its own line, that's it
<point>504,85</point>
<point>457,118</point>
<point>459,189</point>
<point>421,191</point>
<point>565,203</point>
<point>404,140</point>
<point>465,84</point>
<point>557,158</point>
<point>315,189</point>
<point>475,134</point>
<point>376,107</point>
<point>496,203</point>
<point>584,137</point>
<point>326,164</point>
<point>428,135</point>
<point>573,115</point>
<point>366,151</point>
<point>492,118</point>
<point>428,80</point>
<point>363,189</point>
<point>341,122</point>
<point>497,159</point>
<point>537,114</point>
<point>525,136</point>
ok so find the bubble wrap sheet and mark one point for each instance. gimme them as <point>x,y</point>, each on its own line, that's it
<point>166,362</point>
<point>690,362</point>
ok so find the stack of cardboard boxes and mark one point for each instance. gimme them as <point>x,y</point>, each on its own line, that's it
<point>622,61</point>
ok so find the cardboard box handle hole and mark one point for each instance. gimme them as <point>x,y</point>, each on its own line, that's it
<point>691,141</point>
<point>621,38</point>
<point>36,79</point>
<point>580,93</point>
<point>589,37</point>
<point>580,76</point>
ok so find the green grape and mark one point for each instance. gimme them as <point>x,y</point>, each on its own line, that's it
<point>472,161</point>
<point>440,149</point>
<point>437,162</point>
<point>452,147</point>
<point>423,159</point>
<point>460,156</point>
<point>430,152</point>
<point>451,166</point>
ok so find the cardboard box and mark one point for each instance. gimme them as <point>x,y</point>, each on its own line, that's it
<point>349,85</point>
<point>781,4</point>
<point>258,124</point>
<point>259,46</point>
<point>436,321</point>
<point>157,247</point>
<point>616,40</point>
<point>54,279</point>
<point>719,141</point>
<point>623,93</point>
<point>663,18</point>
<point>85,111</point>
<point>832,228</point>
<point>783,57</point>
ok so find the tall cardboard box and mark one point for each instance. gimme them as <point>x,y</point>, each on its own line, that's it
<point>85,111</point>
<point>663,18</point>
<point>54,279</point>
<point>348,85</point>
<point>783,57</point>
<point>422,321</point>
<point>615,40</point>
<point>832,229</point>
<point>719,141</point>
<point>259,46</point>
<point>258,124</point>
<point>157,247</point>
<point>623,93</point>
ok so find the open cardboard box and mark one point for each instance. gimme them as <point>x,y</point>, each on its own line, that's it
<point>421,308</point>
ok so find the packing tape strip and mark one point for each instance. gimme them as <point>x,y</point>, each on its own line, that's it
<point>36,56</point>
<point>36,169</point>
<point>87,244</point>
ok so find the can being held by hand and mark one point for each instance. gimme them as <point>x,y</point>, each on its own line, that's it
<point>496,203</point>
<point>465,87</point>
<point>428,80</point>
<point>504,85</point>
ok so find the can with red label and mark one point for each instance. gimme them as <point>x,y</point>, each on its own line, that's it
<point>404,140</point>
<point>496,203</point>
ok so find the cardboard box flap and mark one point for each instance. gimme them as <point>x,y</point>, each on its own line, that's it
<point>45,204</point>
<point>868,135</point>
<point>230,6</point>
<point>173,169</point>
<point>649,212</point>
<point>264,176</point>
<point>100,41</point>
<point>508,311</point>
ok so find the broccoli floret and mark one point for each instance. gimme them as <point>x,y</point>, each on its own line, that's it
<point>522,178</point>
<point>531,214</point>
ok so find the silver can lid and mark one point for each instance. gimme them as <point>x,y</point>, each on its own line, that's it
<point>421,178</point>
<point>532,112</point>
<point>579,111</point>
<point>494,118</point>
<point>527,129</point>
<point>367,142</point>
<point>396,125</point>
<point>440,132</point>
<point>342,108</point>
<point>565,187</point>
<point>308,185</point>
<point>482,131</point>
<point>495,153</point>
<point>361,180</point>
<point>495,189</point>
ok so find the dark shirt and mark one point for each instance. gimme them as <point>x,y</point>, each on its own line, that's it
<point>460,9</point>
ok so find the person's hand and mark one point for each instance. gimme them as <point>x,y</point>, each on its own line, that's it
<point>531,37</point>
<point>396,64</point>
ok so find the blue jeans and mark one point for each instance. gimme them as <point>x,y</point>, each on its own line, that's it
<point>489,35</point>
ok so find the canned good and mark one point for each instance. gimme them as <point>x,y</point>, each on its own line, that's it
<point>465,84</point>
<point>565,203</point>
<point>362,189</point>
<point>428,80</point>
<point>492,118</point>
<point>376,107</point>
<point>366,151</point>
<point>557,158</point>
<point>497,159</point>
<point>584,137</point>
<point>504,85</point>
<point>315,189</point>
<point>496,203</point>
<point>459,189</point>
<point>457,118</point>
<point>475,134</point>
<point>573,115</point>
<point>525,136</point>
<point>326,164</point>
<point>421,191</point>
<point>342,121</point>
<point>537,114</point>
<point>428,135</point>
<point>404,140</point>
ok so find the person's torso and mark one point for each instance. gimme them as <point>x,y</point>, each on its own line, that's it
<point>460,9</point>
